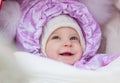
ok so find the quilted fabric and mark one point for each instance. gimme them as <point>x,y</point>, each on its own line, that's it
<point>36,13</point>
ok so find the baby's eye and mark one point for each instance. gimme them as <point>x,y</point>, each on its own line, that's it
<point>55,37</point>
<point>73,38</point>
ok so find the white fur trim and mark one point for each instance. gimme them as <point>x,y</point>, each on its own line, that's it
<point>9,17</point>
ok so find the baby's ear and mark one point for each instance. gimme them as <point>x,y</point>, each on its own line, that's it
<point>101,9</point>
<point>9,17</point>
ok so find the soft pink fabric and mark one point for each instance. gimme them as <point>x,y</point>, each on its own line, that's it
<point>36,13</point>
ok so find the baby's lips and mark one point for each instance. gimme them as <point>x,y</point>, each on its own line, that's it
<point>66,54</point>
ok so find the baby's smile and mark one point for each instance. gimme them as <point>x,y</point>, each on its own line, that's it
<point>66,54</point>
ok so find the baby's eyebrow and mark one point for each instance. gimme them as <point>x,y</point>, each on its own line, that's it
<point>74,34</point>
<point>54,34</point>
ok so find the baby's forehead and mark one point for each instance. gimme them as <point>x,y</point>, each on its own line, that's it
<point>65,31</point>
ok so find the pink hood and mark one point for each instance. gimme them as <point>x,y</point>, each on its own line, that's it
<point>36,13</point>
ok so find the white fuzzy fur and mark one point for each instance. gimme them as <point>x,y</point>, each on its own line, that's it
<point>10,72</point>
<point>9,16</point>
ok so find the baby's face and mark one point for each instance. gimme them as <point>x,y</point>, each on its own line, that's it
<point>64,45</point>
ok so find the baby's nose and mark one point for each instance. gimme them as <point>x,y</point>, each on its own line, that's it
<point>68,44</point>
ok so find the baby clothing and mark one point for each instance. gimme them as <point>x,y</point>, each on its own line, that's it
<point>37,13</point>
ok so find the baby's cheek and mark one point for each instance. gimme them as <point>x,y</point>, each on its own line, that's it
<point>49,51</point>
<point>80,51</point>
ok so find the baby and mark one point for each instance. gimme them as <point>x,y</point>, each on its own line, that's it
<point>63,40</point>
<point>62,30</point>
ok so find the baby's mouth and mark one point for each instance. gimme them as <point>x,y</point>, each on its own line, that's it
<point>66,54</point>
